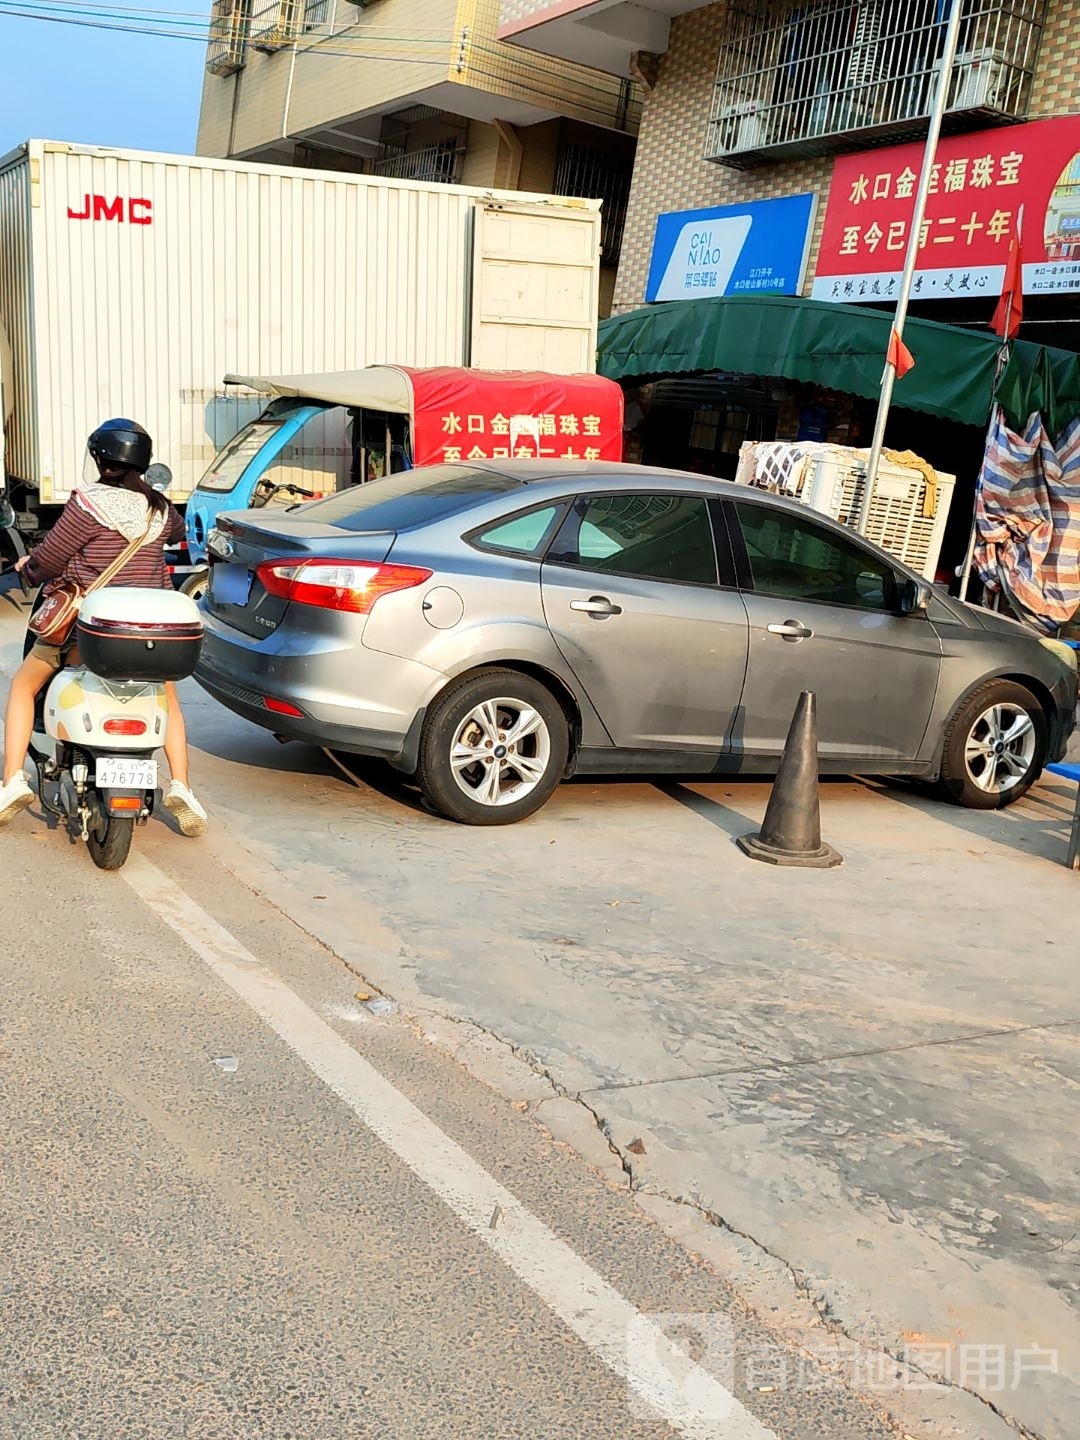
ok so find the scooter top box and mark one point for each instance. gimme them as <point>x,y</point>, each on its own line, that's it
<point>127,633</point>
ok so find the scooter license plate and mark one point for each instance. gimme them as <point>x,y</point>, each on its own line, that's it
<point>117,772</point>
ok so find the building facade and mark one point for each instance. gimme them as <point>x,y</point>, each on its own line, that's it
<point>827,101</point>
<point>747,100</point>
<point>679,154</point>
<point>428,93</point>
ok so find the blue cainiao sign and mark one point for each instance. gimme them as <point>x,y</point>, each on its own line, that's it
<point>753,249</point>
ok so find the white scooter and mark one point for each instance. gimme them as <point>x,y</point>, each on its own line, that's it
<point>104,720</point>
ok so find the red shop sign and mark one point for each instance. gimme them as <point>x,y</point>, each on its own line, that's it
<point>462,415</point>
<point>980,183</point>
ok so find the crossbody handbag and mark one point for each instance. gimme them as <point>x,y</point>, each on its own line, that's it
<point>55,620</point>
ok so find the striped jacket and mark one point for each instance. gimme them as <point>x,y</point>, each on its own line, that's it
<point>79,547</point>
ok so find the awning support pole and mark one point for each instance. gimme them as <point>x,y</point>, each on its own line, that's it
<point>903,300</point>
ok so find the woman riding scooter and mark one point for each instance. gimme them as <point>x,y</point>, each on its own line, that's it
<point>98,523</point>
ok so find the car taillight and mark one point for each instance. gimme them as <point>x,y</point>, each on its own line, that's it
<point>338,584</point>
<point>124,727</point>
<point>282,707</point>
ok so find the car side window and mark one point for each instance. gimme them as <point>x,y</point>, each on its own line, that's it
<point>523,534</point>
<point>795,559</point>
<point>648,537</point>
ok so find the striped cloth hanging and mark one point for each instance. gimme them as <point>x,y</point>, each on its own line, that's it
<point>1027,515</point>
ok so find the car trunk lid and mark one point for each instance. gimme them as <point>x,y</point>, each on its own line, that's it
<point>242,542</point>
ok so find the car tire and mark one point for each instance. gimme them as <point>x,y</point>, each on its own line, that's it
<point>982,768</point>
<point>462,774</point>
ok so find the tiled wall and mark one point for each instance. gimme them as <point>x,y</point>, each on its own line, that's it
<point>511,12</point>
<point>520,74</point>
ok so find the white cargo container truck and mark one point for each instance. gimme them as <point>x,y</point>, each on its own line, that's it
<point>131,283</point>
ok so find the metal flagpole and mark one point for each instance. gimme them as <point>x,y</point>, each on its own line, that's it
<point>937,114</point>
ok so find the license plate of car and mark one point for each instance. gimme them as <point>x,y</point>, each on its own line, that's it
<point>117,772</point>
<point>230,584</point>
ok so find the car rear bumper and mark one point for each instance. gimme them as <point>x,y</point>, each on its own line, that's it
<point>350,698</point>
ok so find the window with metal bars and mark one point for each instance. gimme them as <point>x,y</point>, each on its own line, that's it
<point>274,22</point>
<point>316,14</point>
<point>228,30</point>
<point>593,174</point>
<point>422,143</point>
<point>721,428</point>
<point>830,75</point>
<point>439,163</point>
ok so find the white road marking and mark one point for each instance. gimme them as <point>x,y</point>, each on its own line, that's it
<point>692,1401</point>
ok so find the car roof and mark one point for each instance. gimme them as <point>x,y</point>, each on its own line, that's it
<point>534,472</point>
<point>611,475</point>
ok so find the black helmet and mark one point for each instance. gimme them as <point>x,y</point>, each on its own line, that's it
<point>121,445</point>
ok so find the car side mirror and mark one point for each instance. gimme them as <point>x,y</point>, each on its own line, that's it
<point>915,597</point>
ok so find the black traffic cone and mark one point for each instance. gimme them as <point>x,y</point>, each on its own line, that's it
<point>791,831</point>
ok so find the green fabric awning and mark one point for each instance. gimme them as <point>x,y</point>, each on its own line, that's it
<point>841,347</point>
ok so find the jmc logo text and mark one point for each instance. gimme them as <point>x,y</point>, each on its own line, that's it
<point>119,208</point>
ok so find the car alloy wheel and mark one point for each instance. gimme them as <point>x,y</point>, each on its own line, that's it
<point>1000,748</point>
<point>501,752</point>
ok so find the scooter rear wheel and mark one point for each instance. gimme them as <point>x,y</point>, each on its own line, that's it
<point>109,846</point>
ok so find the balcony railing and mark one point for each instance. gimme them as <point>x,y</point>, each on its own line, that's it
<point>437,164</point>
<point>836,75</point>
<point>228,30</point>
<point>275,23</point>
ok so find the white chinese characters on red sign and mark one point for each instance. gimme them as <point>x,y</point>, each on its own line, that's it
<point>977,190</point>
<point>533,437</point>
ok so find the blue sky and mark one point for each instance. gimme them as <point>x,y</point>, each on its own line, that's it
<point>61,82</point>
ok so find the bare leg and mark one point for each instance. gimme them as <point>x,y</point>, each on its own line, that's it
<point>190,815</point>
<point>176,751</point>
<point>19,721</point>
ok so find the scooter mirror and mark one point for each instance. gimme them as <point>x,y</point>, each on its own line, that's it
<point>159,477</point>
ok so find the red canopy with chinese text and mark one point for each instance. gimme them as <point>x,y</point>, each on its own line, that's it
<point>511,414</point>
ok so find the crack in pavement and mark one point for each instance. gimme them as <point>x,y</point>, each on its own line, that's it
<point>811,1060</point>
<point>818,1302</point>
<point>1013,1423</point>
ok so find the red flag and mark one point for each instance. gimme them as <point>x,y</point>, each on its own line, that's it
<point>1010,308</point>
<point>900,357</point>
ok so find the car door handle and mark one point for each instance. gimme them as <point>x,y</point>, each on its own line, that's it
<point>599,607</point>
<point>792,630</point>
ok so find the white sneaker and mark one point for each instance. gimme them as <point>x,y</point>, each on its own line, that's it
<point>14,797</point>
<point>190,815</point>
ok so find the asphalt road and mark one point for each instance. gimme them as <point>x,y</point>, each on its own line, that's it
<point>235,1203</point>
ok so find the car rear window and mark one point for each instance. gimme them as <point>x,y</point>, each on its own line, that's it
<point>409,498</point>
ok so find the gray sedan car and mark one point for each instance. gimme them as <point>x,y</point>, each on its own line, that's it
<point>494,628</point>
